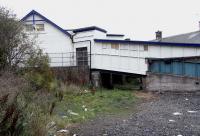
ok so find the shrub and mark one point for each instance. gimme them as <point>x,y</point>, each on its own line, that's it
<point>22,111</point>
<point>38,72</point>
<point>15,45</point>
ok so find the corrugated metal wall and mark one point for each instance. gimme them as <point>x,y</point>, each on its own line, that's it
<point>183,68</point>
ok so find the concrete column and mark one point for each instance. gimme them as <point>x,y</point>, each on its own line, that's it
<point>111,80</point>
<point>123,79</point>
<point>96,79</point>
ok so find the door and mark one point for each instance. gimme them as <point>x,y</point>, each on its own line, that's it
<point>82,56</point>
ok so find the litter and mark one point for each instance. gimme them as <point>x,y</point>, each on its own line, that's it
<point>192,111</point>
<point>177,113</point>
<point>63,131</point>
<point>83,106</point>
<point>73,113</point>
<point>171,120</point>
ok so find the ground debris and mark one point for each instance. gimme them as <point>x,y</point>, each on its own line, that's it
<point>154,117</point>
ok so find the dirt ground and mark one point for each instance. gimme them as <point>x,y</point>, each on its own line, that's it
<point>156,115</point>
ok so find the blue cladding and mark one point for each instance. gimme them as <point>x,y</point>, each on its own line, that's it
<point>155,67</point>
<point>190,69</point>
<point>165,67</point>
<point>177,68</point>
<point>198,70</point>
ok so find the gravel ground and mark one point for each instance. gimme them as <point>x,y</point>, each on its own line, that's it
<point>152,118</point>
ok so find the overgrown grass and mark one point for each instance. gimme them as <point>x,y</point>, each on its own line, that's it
<point>76,107</point>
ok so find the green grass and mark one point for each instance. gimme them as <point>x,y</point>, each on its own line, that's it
<point>88,106</point>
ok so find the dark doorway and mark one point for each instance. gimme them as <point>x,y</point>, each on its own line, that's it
<point>82,56</point>
<point>106,80</point>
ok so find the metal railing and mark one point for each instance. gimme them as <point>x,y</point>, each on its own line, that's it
<point>69,59</point>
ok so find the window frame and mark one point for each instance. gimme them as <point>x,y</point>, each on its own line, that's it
<point>40,29</point>
<point>28,27</point>
<point>115,46</point>
<point>146,47</point>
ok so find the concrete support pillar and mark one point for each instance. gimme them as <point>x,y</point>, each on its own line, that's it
<point>111,80</point>
<point>143,83</point>
<point>96,79</point>
<point>123,79</point>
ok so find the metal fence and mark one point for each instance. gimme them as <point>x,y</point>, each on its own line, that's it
<point>175,67</point>
<point>69,59</point>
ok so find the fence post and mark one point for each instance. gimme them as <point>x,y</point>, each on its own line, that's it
<point>62,59</point>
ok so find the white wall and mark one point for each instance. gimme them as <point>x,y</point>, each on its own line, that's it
<point>130,58</point>
<point>156,51</point>
<point>54,41</point>
<point>89,35</point>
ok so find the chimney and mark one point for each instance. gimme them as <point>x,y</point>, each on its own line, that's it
<point>158,35</point>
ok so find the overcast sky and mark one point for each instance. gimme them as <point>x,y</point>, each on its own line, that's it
<point>137,19</point>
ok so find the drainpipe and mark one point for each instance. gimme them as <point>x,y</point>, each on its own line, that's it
<point>90,42</point>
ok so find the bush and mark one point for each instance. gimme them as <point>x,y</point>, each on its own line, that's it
<point>38,72</point>
<point>22,111</point>
<point>15,45</point>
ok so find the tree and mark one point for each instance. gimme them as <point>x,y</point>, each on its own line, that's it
<point>15,45</point>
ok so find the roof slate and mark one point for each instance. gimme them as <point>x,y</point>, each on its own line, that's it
<point>192,37</point>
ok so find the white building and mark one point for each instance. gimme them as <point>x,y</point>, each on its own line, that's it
<point>111,52</point>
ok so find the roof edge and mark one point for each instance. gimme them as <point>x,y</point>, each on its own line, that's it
<point>147,42</point>
<point>33,12</point>
<point>116,35</point>
<point>90,28</point>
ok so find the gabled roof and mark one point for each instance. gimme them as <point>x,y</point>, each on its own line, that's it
<point>33,12</point>
<point>89,29</point>
<point>192,37</point>
<point>115,35</point>
<point>148,43</point>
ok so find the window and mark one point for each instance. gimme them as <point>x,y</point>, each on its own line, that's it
<point>124,47</point>
<point>105,46</point>
<point>133,47</point>
<point>29,27</point>
<point>115,46</point>
<point>145,47</point>
<point>39,27</point>
<point>82,56</point>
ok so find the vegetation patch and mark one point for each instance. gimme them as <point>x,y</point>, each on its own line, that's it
<point>78,107</point>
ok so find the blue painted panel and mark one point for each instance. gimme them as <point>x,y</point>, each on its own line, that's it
<point>198,70</point>
<point>154,67</point>
<point>162,67</point>
<point>177,68</point>
<point>190,69</point>
<point>165,67</point>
